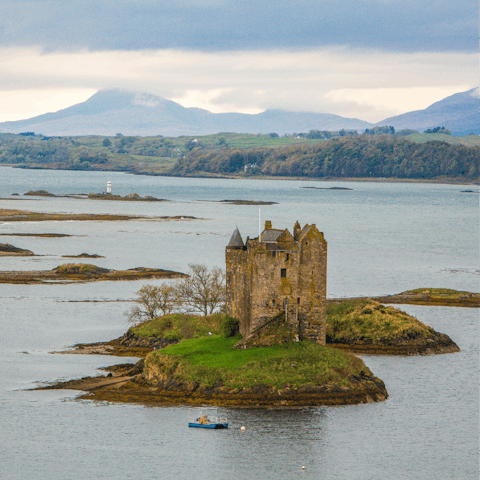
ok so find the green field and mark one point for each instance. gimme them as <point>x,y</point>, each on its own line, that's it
<point>467,140</point>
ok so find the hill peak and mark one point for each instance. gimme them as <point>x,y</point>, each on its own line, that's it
<point>116,98</point>
<point>459,113</point>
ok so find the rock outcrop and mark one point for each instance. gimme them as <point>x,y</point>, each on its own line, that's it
<point>7,250</point>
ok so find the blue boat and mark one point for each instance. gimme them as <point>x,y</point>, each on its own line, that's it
<point>207,419</point>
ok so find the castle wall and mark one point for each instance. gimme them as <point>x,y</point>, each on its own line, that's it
<point>269,289</point>
<point>238,282</point>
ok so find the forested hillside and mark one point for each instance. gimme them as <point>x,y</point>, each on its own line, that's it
<point>317,154</point>
<point>345,157</point>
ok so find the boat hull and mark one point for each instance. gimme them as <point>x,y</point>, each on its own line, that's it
<point>214,426</point>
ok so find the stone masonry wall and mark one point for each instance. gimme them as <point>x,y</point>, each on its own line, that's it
<point>238,286</point>
<point>313,285</point>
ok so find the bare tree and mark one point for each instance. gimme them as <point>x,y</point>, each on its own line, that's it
<point>152,302</point>
<point>203,291</point>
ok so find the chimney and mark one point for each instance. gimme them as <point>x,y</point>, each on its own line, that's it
<point>296,230</point>
<point>268,225</point>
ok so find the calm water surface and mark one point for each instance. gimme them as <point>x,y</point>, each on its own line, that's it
<point>383,239</point>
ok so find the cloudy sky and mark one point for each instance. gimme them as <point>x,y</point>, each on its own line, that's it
<point>368,59</point>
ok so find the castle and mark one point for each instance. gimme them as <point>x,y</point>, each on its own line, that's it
<point>279,272</point>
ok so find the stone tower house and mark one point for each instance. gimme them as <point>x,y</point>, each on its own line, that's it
<point>279,272</point>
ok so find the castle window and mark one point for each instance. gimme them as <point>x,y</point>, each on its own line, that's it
<point>273,303</point>
<point>283,273</point>
<point>298,300</point>
<point>288,257</point>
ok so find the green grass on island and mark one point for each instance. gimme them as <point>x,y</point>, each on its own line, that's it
<point>177,326</point>
<point>212,360</point>
<point>76,268</point>
<point>365,319</point>
<point>361,319</point>
<point>438,292</point>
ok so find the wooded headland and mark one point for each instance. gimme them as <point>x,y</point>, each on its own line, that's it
<point>322,155</point>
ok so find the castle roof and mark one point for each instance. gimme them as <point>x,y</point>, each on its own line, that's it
<point>304,231</point>
<point>271,235</point>
<point>236,240</point>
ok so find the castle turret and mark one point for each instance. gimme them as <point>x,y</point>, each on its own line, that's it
<point>236,239</point>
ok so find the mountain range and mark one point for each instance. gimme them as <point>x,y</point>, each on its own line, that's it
<point>113,111</point>
<point>459,113</point>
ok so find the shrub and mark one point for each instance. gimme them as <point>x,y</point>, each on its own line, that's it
<point>230,327</point>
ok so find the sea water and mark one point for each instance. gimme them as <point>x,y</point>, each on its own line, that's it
<point>383,238</point>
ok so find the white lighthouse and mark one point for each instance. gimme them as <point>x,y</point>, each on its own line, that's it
<point>109,187</point>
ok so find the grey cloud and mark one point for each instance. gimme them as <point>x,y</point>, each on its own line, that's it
<point>212,25</point>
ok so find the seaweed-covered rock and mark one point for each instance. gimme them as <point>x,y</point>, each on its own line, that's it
<point>80,269</point>
<point>129,339</point>
<point>40,193</point>
<point>8,249</point>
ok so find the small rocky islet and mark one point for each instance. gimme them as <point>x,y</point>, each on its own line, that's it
<point>369,327</point>
<point>247,202</point>
<point>132,197</point>
<point>13,215</point>
<point>37,235</point>
<point>444,297</point>
<point>329,188</point>
<point>84,255</point>
<point>7,250</point>
<point>83,272</point>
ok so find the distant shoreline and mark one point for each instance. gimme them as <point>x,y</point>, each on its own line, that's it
<point>443,181</point>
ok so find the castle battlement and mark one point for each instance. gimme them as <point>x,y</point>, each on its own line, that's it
<point>279,272</point>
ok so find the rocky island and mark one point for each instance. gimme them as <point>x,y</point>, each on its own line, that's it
<point>10,215</point>
<point>277,343</point>
<point>37,235</point>
<point>204,369</point>
<point>7,250</point>
<point>445,297</point>
<point>208,370</point>
<point>329,188</point>
<point>84,255</point>
<point>247,202</point>
<point>82,272</point>
<point>367,326</point>
<point>39,193</point>
<point>132,197</point>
